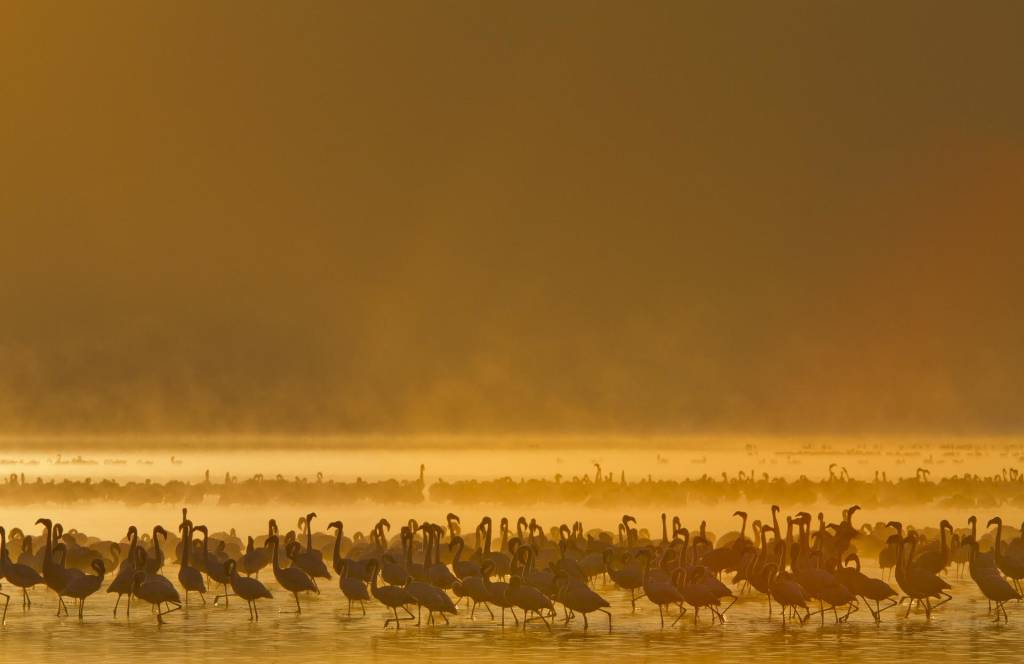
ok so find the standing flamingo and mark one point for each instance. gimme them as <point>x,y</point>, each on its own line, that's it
<point>83,586</point>
<point>247,588</point>
<point>292,579</point>
<point>189,577</point>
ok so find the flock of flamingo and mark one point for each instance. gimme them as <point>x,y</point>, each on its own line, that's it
<point>526,573</point>
<point>963,491</point>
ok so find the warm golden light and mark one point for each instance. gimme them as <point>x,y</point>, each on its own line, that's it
<point>710,303</point>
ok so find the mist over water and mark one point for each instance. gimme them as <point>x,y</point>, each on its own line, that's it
<point>142,459</point>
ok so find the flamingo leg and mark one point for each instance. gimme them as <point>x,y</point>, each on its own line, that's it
<point>7,600</point>
<point>609,614</point>
<point>722,612</point>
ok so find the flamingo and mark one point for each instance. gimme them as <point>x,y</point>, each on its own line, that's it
<point>462,568</point>
<point>868,588</point>
<point>292,579</point>
<point>83,586</point>
<point>254,559</point>
<point>475,589</point>
<point>529,599</point>
<point>578,598</point>
<point>55,576</point>
<point>497,592</point>
<point>247,588</point>
<point>352,587</point>
<point>392,597</point>
<point>918,584</point>
<point>788,593</point>
<point>311,560</point>
<point>936,560</point>
<point>697,594</point>
<point>124,582</point>
<point>214,569</point>
<point>995,588</point>
<point>662,592</point>
<point>20,576</point>
<point>427,595</point>
<point>437,572</point>
<point>151,589</point>
<point>629,577</point>
<point>189,577</point>
<point>1011,566</point>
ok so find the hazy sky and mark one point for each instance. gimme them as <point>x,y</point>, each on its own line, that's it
<point>460,216</point>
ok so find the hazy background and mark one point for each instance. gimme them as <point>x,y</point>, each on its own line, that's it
<point>460,216</point>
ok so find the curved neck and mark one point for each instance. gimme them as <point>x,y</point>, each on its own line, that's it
<point>277,562</point>
<point>186,545</point>
<point>48,551</point>
<point>337,553</point>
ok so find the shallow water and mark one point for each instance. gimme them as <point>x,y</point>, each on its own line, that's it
<point>958,631</point>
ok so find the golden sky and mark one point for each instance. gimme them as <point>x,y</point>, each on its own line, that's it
<point>461,216</point>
